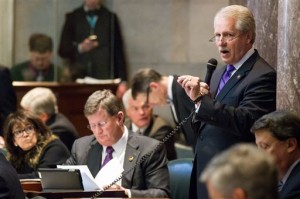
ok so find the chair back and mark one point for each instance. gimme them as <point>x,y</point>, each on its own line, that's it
<point>180,173</point>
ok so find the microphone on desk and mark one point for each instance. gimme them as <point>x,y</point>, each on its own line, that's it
<point>211,66</point>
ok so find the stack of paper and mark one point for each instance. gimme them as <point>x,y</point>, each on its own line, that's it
<point>110,172</point>
<point>91,80</point>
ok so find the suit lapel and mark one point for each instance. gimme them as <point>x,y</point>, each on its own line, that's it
<point>237,77</point>
<point>291,179</point>
<point>175,102</point>
<point>215,84</point>
<point>83,20</point>
<point>131,156</point>
<point>147,131</point>
<point>240,74</point>
<point>95,158</point>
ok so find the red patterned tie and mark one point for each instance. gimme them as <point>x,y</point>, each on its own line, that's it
<point>226,76</point>
<point>108,157</point>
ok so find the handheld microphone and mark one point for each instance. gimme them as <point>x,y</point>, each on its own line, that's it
<point>211,66</point>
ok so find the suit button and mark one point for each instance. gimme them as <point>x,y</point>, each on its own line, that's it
<point>201,137</point>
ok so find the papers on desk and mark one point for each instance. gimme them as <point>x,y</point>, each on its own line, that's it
<point>110,172</point>
<point>91,80</point>
<point>30,180</point>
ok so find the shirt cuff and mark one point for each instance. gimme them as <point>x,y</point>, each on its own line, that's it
<point>197,107</point>
<point>128,193</point>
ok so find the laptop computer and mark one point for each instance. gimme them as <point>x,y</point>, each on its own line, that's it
<point>55,180</point>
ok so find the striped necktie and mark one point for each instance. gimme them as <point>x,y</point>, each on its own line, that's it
<point>226,76</point>
<point>108,157</point>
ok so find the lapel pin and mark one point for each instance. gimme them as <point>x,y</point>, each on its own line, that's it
<point>130,158</point>
<point>239,76</point>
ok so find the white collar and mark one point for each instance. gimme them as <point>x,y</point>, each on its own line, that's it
<point>170,94</point>
<point>121,144</point>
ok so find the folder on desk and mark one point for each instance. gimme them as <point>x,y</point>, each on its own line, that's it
<point>54,180</point>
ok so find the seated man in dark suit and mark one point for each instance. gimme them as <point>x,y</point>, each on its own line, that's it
<point>43,103</point>
<point>111,138</point>
<point>141,120</point>
<point>10,186</point>
<point>278,133</point>
<point>39,66</point>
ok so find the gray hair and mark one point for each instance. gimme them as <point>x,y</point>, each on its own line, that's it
<point>243,166</point>
<point>244,18</point>
<point>40,100</point>
<point>102,99</point>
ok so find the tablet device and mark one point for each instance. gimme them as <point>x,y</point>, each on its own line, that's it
<point>54,180</point>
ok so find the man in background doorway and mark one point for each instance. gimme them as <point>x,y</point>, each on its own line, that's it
<point>39,67</point>
<point>91,43</point>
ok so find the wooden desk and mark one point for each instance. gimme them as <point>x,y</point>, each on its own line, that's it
<point>33,188</point>
<point>76,194</point>
<point>71,98</point>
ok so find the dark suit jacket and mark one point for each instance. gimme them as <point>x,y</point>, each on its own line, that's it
<point>148,179</point>
<point>24,72</point>
<point>8,99</point>
<point>183,108</point>
<point>63,128</point>
<point>104,62</point>
<point>291,188</point>
<point>10,186</point>
<point>227,118</point>
<point>159,129</point>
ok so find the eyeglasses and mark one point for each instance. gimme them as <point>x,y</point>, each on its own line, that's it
<point>20,133</point>
<point>93,127</point>
<point>226,37</point>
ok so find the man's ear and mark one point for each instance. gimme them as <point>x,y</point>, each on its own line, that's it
<point>292,144</point>
<point>120,117</point>
<point>44,117</point>
<point>249,38</point>
<point>239,193</point>
<point>153,85</point>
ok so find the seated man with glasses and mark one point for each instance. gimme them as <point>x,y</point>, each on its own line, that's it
<point>143,159</point>
<point>140,119</point>
<point>278,133</point>
<point>31,145</point>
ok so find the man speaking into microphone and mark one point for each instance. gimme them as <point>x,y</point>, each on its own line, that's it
<point>237,95</point>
